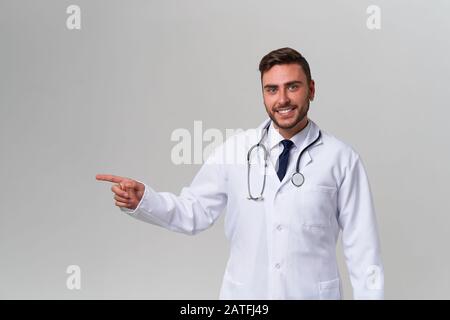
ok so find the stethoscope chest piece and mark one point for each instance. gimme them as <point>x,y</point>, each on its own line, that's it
<point>297,179</point>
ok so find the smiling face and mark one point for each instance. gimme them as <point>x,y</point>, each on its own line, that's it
<point>287,94</point>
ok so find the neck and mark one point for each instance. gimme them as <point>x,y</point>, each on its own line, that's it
<point>289,133</point>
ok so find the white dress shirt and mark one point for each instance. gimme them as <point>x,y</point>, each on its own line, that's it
<point>276,148</point>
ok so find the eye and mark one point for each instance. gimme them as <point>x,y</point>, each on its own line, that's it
<point>293,87</point>
<point>271,89</point>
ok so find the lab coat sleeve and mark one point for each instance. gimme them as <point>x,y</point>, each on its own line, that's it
<point>360,240</point>
<point>195,209</point>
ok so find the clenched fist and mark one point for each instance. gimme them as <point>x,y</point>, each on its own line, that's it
<point>127,192</point>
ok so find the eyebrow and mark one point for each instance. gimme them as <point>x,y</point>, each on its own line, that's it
<point>286,84</point>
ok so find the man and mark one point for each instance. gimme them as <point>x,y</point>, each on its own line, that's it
<point>283,219</point>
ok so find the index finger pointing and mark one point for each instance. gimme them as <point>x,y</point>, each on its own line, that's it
<point>109,177</point>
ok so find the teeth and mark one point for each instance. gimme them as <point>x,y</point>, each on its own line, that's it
<point>285,110</point>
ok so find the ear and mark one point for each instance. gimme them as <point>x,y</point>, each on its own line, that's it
<point>312,90</point>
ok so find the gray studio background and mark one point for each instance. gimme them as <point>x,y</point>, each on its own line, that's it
<point>106,99</point>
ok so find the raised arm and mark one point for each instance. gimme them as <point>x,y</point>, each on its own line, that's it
<point>195,209</point>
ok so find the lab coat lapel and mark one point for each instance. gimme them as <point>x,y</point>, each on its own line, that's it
<point>272,181</point>
<point>260,131</point>
<point>257,156</point>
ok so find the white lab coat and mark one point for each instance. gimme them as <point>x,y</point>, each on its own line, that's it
<point>283,247</point>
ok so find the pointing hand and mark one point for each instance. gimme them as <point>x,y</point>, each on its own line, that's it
<point>128,192</point>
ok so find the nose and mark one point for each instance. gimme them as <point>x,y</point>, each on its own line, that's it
<point>283,98</point>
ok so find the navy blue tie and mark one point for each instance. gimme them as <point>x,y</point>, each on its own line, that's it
<point>284,158</point>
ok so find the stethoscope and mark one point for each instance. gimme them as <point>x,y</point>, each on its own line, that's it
<point>297,178</point>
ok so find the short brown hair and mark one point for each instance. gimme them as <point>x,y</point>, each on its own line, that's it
<point>284,56</point>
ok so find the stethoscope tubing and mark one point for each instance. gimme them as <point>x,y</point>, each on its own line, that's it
<point>295,181</point>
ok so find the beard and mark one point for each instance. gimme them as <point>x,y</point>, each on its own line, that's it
<point>302,113</point>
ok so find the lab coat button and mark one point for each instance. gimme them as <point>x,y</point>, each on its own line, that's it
<point>279,227</point>
<point>277,266</point>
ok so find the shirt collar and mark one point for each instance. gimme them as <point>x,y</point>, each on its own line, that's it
<point>275,137</point>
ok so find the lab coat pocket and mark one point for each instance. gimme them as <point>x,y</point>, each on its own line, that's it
<point>330,290</point>
<point>317,205</point>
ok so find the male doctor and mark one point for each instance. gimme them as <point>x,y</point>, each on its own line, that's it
<point>287,200</point>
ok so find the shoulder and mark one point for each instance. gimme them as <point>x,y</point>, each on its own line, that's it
<point>342,156</point>
<point>234,148</point>
<point>242,139</point>
<point>340,150</point>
